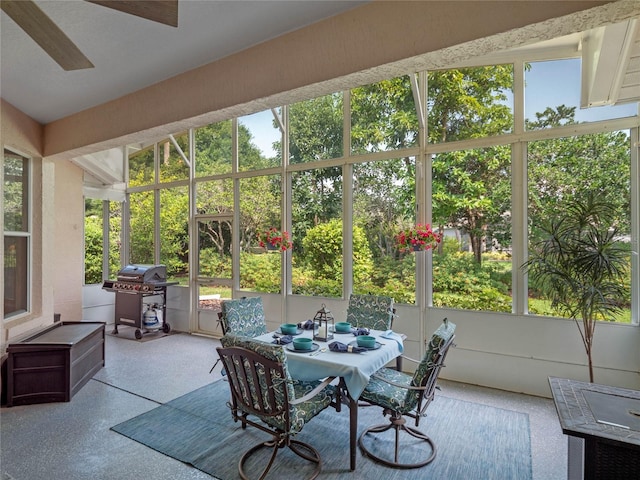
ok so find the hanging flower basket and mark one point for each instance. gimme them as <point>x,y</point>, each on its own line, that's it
<point>417,239</point>
<point>274,239</point>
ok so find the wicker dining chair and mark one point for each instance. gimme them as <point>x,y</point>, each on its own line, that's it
<point>401,394</point>
<point>262,389</point>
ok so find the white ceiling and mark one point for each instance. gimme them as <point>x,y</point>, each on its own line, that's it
<point>130,53</point>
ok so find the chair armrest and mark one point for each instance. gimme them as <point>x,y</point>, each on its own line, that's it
<point>410,359</point>
<point>313,392</point>
<point>399,385</point>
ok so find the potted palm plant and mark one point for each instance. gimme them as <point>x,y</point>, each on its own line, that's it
<point>580,263</point>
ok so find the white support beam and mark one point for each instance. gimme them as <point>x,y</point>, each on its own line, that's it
<point>606,53</point>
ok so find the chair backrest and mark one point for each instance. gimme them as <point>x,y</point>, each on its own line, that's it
<point>244,316</point>
<point>259,380</point>
<point>426,375</point>
<point>370,311</point>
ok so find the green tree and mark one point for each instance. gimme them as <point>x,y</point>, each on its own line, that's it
<point>471,187</point>
<point>562,169</point>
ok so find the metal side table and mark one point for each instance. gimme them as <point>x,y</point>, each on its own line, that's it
<point>608,419</point>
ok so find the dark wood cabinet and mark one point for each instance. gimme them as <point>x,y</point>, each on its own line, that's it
<point>53,364</point>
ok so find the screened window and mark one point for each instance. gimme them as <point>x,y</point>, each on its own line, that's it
<point>173,159</point>
<point>214,149</point>
<point>17,233</point>
<point>383,200</point>
<point>548,106</point>
<point>383,116</point>
<point>259,137</point>
<point>174,233</point>
<point>469,103</point>
<point>316,212</point>
<point>315,129</point>
<point>472,209</point>
<point>93,240</point>
<point>564,170</point>
<point>260,210</point>
<point>141,228</point>
<point>141,167</point>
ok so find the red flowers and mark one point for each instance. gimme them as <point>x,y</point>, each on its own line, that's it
<point>419,238</point>
<point>274,239</point>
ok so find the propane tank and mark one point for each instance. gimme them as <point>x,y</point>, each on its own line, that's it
<point>158,313</point>
<point>150,317</point>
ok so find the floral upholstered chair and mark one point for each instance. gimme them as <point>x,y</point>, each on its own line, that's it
<point>370,311</point>
<point>262,387</point>
<point>401,394</point>
<point>244,316</point>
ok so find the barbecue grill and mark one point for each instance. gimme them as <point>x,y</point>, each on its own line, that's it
<point>134,284</point>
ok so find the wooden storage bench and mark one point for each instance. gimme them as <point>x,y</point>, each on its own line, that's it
<point>53,364</point>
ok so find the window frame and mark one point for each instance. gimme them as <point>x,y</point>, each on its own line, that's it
<point>28,234</point>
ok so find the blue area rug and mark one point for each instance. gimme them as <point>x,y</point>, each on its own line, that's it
<point>473,441</point>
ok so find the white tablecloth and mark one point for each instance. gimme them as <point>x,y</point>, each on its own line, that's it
<point>355,368</point>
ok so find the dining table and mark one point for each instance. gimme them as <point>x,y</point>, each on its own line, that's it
<point>353,369</point>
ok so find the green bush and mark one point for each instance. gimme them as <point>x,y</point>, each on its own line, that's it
<point>213,265</point>
<point>260,272</point>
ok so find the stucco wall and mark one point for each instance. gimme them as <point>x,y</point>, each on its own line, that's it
<point>68,241</point>
<point>23,135</point>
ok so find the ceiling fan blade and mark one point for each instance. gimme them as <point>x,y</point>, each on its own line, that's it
<point>161,11</point>
<point>45,33</point>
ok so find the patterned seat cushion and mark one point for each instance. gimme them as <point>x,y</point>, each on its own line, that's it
<point>283,386</point>
<point>400,399</point>
<point>370,311</point>
<point>388,396</point>
<point>244,316</point>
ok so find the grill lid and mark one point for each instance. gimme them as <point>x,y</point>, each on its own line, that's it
<point>143,273</point>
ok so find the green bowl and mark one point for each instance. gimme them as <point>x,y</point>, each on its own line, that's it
<point>343,327</point>
<point>366,341</point>
<point>289,328</point>
<point>302,343</point>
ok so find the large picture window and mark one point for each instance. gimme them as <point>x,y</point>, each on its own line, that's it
<point>363,171</point>
<point>568,169</point>
<point>17,233</point>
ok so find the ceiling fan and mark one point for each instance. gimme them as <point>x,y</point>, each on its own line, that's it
<point>59,47</point>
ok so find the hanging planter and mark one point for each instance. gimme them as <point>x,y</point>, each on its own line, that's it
<point>418,238</point>
<point>273,239</point>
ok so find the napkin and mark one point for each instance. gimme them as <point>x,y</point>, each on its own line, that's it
<point>308,325</point>
<point>391,335</point>
<point>341,347</point>
<point>360,331</point>
<point>283,340</point>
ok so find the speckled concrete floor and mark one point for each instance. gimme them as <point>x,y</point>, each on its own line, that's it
<point>72,441</point>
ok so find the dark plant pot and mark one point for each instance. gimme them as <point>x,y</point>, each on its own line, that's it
<point>271,247</point>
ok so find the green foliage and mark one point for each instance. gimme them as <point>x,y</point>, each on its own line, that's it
<point>471,188</point>
<point>323,250</point>
<point>92,249</point>
<point>483,299</point>
<point>383,116</point>
<point>214,265</point>
<point>260,273</point>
